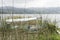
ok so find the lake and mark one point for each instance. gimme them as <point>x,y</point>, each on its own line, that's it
<point>51,17</point>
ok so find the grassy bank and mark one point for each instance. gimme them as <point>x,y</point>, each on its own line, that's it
<point>47,31</point>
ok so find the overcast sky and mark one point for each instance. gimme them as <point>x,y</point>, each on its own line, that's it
<point>31,3</point>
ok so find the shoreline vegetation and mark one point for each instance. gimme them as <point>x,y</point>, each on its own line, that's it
<point>32,30</point>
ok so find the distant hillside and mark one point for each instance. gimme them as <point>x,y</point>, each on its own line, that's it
<point>8,10</point>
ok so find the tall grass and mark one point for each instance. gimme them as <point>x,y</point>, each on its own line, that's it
<point>47,31</point>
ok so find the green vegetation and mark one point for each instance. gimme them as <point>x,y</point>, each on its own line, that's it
<point>47,31</point>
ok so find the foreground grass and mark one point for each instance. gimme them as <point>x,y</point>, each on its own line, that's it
<point>50,37</point>
<point>47,32</point>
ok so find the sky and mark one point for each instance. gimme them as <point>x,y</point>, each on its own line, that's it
<point>30,3</point>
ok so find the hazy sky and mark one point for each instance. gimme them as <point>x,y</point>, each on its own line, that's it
<point>31,3</point>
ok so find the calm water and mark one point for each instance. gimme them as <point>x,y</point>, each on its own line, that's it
<point>51,17</point>
<point>33,15</point>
